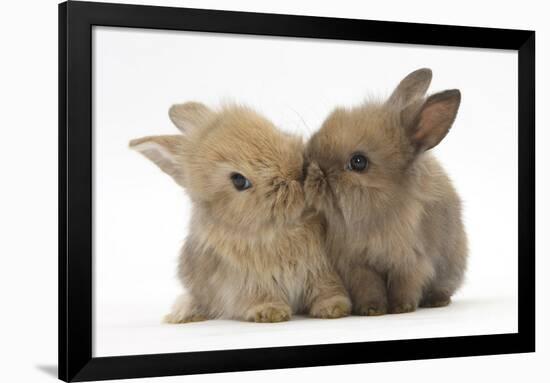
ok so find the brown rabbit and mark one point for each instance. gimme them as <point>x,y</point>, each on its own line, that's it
<point>252,252</point>
<point>394,226</point>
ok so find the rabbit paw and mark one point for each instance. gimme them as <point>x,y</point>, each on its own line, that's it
<point>184,310</point>
<point>371,308</point>
<point>435,300</point>
<point>269,313</point>
<point>403,307</point>
<point>334,307</point>
<point>174,318</point>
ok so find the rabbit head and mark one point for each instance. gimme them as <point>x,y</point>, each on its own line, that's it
<point>234,164</point>
<point>360,161</point>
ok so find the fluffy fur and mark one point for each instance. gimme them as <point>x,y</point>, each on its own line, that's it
<point>254,254</point>
<point>394,230</point>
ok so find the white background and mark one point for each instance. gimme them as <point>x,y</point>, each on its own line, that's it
<point>29,175</point>
<point>142,216</point>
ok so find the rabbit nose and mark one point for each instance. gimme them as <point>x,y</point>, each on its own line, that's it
<point>295,187</point>
<point>295,201</point>
<point>315,170</point>
<point>303,175</point>
<point>290,200</point>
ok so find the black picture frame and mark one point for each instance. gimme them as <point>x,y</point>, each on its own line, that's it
<point>75,190</point>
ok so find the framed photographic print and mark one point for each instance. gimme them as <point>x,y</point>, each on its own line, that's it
<point>244,191</point>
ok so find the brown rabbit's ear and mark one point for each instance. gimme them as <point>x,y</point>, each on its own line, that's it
<point>434,119</point>
<point>190,116</point>
<point>163,151</point>
<point>411,88</point>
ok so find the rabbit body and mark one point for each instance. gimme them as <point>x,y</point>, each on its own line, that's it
<point>264,277</point>
<point>394,226</point>
<point>253,251</point>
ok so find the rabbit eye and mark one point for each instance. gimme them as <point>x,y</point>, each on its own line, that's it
<point>358,163</point>
<point>240,182</point>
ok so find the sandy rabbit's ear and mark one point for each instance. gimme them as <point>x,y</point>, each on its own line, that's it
<point>411,88</point>
<point>163,151</point>
<point>434,119</point>
<point>190,116</point>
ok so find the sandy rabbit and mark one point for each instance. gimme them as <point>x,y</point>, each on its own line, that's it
<point>394,226</point>
<point>252,252</point>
